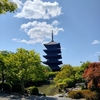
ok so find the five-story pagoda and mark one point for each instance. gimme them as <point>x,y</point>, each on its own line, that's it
<point>53,54</point>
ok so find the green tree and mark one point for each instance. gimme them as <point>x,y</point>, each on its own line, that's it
<point>70,82</point>
<point>39,73</point>
<point>65,78</point>
<point>66,72</point>
<point>3,67</point>
<point>84,66</point>
<point>22,64</point>
<point>7,6</point>
<point>22,67</point>
<point>79,70</point>
<point>78,73</point>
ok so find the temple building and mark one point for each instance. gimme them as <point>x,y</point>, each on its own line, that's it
<point>53,55</point>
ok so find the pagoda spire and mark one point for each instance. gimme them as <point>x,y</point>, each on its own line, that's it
<point>52,37</point>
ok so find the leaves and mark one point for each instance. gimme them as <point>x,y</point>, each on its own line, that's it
<point>7,6</point>
<point>66,72</point>
<point>92,75</point>
<point>23,64</point>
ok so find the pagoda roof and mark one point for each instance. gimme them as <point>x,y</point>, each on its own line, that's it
<point>52,43</point>
<point>52,51</point>
<point>52,56</point>
<point>53,62</point>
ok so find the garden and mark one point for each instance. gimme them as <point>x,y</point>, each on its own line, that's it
<point>22,72</point>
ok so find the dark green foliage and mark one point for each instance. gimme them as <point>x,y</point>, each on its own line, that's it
<point>87,94</point>
<point>36,83</point>
<point>16,88</point>
<point>33,90</point>
<point>51,75</point>
<point>6,87</point>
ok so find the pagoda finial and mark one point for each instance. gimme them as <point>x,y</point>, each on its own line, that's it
<point>52,37</point>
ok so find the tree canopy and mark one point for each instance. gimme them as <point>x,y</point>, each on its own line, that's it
<point>7,6</point>
<point>92,75</point>
<point>66,72</point>
<point>22,67</point>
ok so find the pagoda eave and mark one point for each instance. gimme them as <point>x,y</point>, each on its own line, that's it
<point>52,44</point>
<point>52,57</point>
<point>53,62</point>
<point>52,50</point>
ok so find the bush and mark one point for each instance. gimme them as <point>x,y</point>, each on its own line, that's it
<point>75,94</point>
<point>6,87</point>
<point>87,94</point>
<point>16,88</point>
<point>61,86</point>
<point>51,75</point>
<point>70,82</point>
<point>33,90</point>
<point>59,81</point>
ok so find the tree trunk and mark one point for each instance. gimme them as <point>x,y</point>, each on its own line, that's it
<point>22,85</point>
<point>2,78</point>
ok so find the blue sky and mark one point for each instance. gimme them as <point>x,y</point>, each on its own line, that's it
<point>75,23</point>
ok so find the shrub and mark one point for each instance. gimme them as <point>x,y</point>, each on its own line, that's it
<point>61,86</point>
<point>33,90</point>
<point>87,94</point>
<point>70,82</point>
<point>75,94</point>
<point>6,87</point>
<point>59,81</point>
<point>16,88</point>
<point>51,75</point>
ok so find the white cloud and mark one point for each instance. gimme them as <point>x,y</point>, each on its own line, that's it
<point>18,2</point>
<point>32,41</point>
<point>96,42</point>
<point>39,32</point>
<point>55,22</point>
<point>36,9</point>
